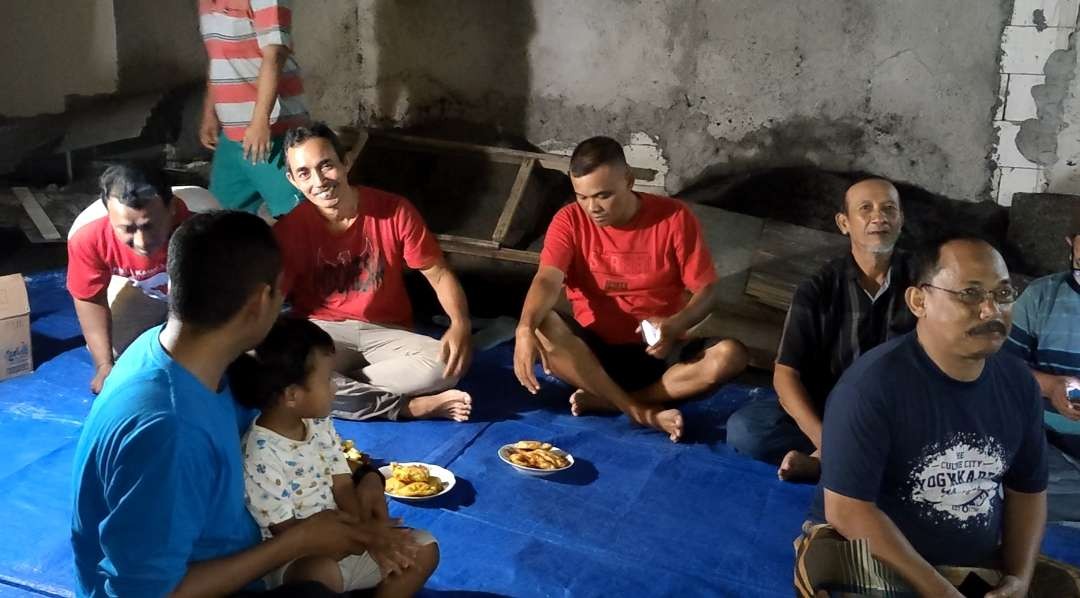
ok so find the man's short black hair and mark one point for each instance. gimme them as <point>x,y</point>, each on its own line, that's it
<point>298,135</point>
<point>595,152</point>
<point>217,260</point>
<point>134,186</point>
<point>927,259</point>
<point>282,359</point>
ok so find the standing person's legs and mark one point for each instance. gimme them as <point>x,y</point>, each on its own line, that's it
<point>408,365</point>
<point>271,183</point>
<point>571,359</point>
<point>230,182</point>
<point>762,430</point>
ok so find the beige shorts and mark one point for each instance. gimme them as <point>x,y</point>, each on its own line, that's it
<point>358,571</point>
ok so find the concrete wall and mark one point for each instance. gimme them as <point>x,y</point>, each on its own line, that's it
<point>905,89</point>
<point>158,44</point>
<point>52,49</point>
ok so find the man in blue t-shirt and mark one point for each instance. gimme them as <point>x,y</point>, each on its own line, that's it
<point>158,477</point>
<point>933,445</point>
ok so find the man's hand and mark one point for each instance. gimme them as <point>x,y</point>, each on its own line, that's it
<point>208,130</point>
<point>1009,587</point>
<point>670,335</point>
<point>100,373</point>
<point>526,349</point>
<point>369,493</point>
<point>456,350</point>
<point>257,141</point>
<point>1058,395</point>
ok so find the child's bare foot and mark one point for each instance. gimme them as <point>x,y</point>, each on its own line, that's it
<point>798,466</point>
<point>450,404</point>
<point>584,402</point>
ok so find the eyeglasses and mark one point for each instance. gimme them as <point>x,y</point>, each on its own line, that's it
<point>974,296</point>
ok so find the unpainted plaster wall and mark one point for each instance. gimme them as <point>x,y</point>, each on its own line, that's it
<point>52,49</point>
<point>903,89</point>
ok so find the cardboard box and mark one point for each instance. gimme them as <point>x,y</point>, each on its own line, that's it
<point>15,358</point>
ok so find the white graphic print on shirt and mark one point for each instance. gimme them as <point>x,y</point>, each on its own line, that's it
<point>958,480</point>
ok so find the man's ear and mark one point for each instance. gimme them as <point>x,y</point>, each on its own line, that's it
<point>290,396</point>
<point>842,223</point>
<point>630,178</point>
<point>915,297</point>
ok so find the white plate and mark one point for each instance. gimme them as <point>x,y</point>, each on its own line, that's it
<point>504,454</point>
<point>442,474</point>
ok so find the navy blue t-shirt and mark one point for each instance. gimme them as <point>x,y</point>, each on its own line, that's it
<point>933,452</point>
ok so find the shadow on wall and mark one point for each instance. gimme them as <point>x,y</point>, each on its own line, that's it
<point>445,58</point>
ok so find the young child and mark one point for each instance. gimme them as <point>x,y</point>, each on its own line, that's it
<point>294,468</point>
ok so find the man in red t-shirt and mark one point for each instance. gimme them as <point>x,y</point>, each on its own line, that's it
<point>628,261</point>
<point>345,250</point>
<point>116,261</point>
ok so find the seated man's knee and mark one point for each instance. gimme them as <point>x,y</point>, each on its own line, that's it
<point>744,434</point>
<point>725,360</point>
<point>557,332</point>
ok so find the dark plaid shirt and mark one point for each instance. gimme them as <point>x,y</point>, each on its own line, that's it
<point>832,321</point>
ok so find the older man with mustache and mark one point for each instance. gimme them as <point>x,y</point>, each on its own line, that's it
<point>935,456</point>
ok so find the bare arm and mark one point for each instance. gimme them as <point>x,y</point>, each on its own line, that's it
<point>257,136</point>
<point>856,519</point>
<point>539,301</point>
<point>329,532</point>
<point>95,319</point>
<point>542,296</point>
<point>457,342</point>
<point>1025,520</point>
<point>795,400</point>
<point>208,128</point>
<point>345,495</point>
<point>697,309</point>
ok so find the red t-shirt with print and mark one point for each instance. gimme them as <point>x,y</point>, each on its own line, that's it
<point>618,276</point>
<point>95,255</point>
<point>357,274</point>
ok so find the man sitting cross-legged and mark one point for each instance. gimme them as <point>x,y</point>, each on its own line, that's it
<point>345,253</point>
<point>934,453</point>
<point>625,258</point>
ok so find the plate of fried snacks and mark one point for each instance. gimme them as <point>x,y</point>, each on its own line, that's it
<point>533,457</point>
<point>416,481</point>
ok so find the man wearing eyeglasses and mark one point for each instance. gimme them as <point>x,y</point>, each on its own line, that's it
<point>935,457</point>
<point>853,304</point>
<point>1046,335</point>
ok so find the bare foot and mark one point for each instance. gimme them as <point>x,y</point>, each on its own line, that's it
<point>798,466</point>
<point>584,402</point>
<point>669,421</point>
<point>450,404</point>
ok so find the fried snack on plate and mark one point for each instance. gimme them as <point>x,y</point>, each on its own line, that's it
<point>412,481</point>
<point>530,445</point>
<point>538,458</point>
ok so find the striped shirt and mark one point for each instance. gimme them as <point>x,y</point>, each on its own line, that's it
<point>1046,333</point>
<point>833,320</point>
<point>235,33</point>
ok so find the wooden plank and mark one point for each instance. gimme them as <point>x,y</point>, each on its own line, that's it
<point>497,154</point>
<point>517,191</point>
<point>495,253</point>
<point>469,241</point>
<point>786,255</point>
<point>37,214</point>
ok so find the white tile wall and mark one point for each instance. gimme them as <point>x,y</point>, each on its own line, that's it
<point>1017,180</point>
<point>1058,13</point>
<point>1007,154</point>
<point>1026,48</point>
<point>1020,105</point>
